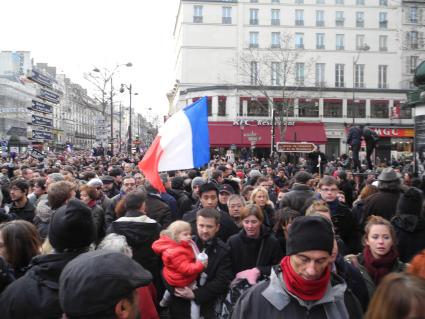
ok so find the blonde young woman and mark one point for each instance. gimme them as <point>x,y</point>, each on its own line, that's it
<point>260,197</point>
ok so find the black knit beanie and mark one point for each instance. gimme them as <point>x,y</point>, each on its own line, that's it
<point>309,233</point>
<point>410,203</point>
<point>72,226</point>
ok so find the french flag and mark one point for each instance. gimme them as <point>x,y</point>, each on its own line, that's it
<point>182,143</point>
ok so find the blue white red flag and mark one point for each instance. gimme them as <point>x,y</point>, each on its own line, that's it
<point>182,143</point>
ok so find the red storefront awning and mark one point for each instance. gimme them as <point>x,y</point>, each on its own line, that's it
<point>244,133</point>
<point>306,132</point>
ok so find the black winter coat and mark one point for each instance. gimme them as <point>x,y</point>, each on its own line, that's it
<point>298,198</point>
<point>26,213</point>
<point>383,203</point>
<point>227,225</point>
<point>410,230</point>
<point>245,251</point>
<point>354,136</point>
<point>158,209</point>
<point>36,295</point>
<point>219,274</point>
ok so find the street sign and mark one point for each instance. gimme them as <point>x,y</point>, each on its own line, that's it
<point>295,147</point>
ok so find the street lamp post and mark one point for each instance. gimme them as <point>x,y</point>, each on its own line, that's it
<point>108,78</point>
<point>130,117</point>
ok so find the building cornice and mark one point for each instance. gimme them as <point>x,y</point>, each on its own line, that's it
<point>289,88</point>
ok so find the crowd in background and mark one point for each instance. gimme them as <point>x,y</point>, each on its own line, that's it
<point>89,237</point>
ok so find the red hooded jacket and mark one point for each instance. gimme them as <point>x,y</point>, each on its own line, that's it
<point>180,265</point>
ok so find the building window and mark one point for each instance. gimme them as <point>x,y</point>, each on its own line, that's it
<point>275,1</point>
<point>275,17</point>
<point>359,75</point>
<point>299,1</point>
<point>254,1</point>
<point>254,73</point>
<point>356,108</point>
<point>299,74</point>
<point>253,16</point>
<point>339,18</point>
<point>359,41</point>
<point>413,39</point>
<point>299,40</point>
<point>339,42</point>
<point>299,17</point>
<point>383,46</point>
<point>339,75</point>
<point>383,22</point>
<point>275,40</point>
<point>320,18</point>
<point>360,2</point>
<point>320,41</point>
<point>332,108</point>
<point>379,109</point>
<point>283,108</point>
<point>308,108</point>
<point>383,3</point>
<point>275,73</point>
<point>221,106</point>
<point>227,15</point>
<point>320,1</point>
<point>209,105</point>
<point>359,19</point>
<point>339,1</point>
<point>197,14</point>
<point>413,15</point>
<point>413,63</point>
<point>320,74</point>
<point>253,39</point>
<point>403,111</point>
<point>382,77</point>
<point>258,107</point>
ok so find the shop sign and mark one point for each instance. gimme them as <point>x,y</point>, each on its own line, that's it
<point>295,147</point>
<point>41,107</point>
<point>43,121</point>
<point>268,122</point>
<point>394,132</point>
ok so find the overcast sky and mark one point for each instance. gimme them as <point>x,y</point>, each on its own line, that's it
<point>76,36</point>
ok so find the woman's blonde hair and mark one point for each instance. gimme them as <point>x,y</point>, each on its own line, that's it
<point>257,190</point>
<point>317,206</point>
<point>176,228</point>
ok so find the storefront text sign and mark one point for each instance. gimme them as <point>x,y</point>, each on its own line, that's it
<point>394,132</point>
<point>267,122</point>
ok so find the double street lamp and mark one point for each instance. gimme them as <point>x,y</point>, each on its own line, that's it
<point>130,126</point>
<point>107,77</point>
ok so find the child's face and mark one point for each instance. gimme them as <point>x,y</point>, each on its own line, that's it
<point>184,235</point>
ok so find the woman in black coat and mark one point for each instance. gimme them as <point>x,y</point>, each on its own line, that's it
<point>254,249</point>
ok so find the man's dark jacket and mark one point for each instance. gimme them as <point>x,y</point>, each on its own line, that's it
<point>158,209</point>
<point>410,230</point>
<point>354,136</point>
<point>383,203</point>
<point>219,274</point>
<point>36,294</point>
<point>26,213</point>
<point>298,198</point>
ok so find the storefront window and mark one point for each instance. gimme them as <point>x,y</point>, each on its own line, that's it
<point>258,107</point>
<point>401,111</point>
<point>379,109</point>
<point>221,106</point>
<point>332,108</point>
<point>284,107</point>
<point>308,108</point>
<point>402,145</point>
<point>356,108</point>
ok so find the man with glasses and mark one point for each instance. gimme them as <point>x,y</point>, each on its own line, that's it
<point>345,224</point>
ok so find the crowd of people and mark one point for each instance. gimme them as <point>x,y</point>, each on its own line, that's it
<point>87,236</point>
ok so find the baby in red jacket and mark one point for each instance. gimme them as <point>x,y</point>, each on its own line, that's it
<point>181,258</point>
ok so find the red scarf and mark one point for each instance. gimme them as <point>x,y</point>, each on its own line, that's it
<point>302,288</point>
<point>92,203</point>
<point>378,268</point>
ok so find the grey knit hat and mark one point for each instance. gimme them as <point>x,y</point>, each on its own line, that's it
<point>197,181</point>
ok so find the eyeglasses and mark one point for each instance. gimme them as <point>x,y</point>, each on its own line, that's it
<point>325,190</point>
<point>129,184</point>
